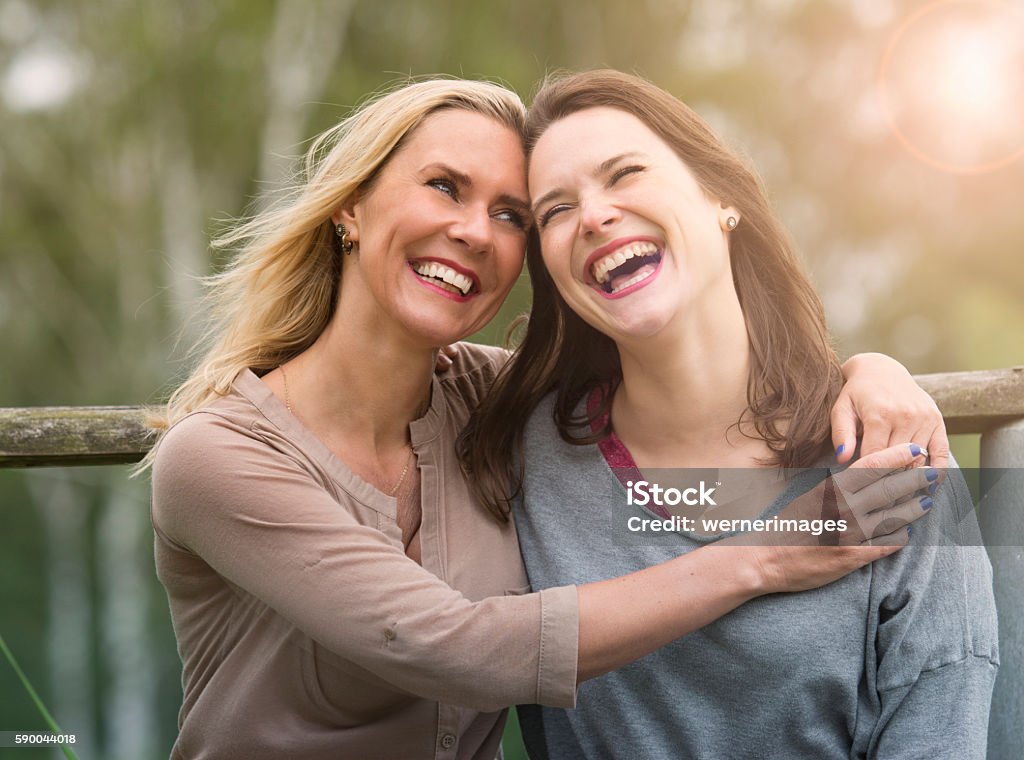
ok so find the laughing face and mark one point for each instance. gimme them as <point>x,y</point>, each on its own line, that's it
<point>441,232</point>
<point>633,243</point>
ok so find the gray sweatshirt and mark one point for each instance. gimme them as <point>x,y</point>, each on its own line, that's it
<point>896,660</point>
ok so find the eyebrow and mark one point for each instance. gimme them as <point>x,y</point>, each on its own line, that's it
<point>602,168</point>
<point>464,179</point>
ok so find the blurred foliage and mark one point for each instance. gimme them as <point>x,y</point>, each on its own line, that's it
<point>130,129</point>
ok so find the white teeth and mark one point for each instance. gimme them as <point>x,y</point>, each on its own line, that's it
<point>606,264</point>
<point>446,275</point>
<point>632,281</point>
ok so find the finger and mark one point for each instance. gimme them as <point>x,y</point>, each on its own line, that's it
<point>887,521</point>
<point>924,436</point>
<point>893,541</point>
<point>844,429</point>
<point>920,436</point>
<point>870,468</point>
<point>892,489</point>
<point>442,363</point>
<point>938,449</point>
<point>451,350</point>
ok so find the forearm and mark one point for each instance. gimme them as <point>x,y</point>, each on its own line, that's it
<point>625,618</point>
<point>871,361</point>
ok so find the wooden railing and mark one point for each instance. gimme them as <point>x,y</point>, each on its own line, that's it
<point>61,436</point>
<point>989,402</point>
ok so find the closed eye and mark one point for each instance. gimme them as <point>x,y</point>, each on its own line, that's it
<point>551,213</point>
<point>624,172</point>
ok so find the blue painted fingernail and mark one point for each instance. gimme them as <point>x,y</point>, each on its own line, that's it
<point>840,450</point>
<point>915,450</point>
<point>931,474</point>
<point>933,488</point>
<point>910,531</point>
<point>926,502</point>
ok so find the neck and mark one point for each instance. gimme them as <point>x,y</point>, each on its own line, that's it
<point>683,391</point>
<point>361,380</point>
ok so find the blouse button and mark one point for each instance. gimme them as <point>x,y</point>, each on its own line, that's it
<point>448,741</point>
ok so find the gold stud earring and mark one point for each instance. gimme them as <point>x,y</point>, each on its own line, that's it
<point>731,223</point>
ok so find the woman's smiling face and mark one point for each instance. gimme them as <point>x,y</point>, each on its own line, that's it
<point>442,229</point>
<point>628,235</point>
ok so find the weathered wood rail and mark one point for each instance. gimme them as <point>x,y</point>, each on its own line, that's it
<point>56,436</point>
<point>60,436</point>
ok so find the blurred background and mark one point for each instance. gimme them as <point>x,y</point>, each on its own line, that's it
<point>888,132</point>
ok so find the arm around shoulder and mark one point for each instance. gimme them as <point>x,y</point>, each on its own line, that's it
<point>263,523</point>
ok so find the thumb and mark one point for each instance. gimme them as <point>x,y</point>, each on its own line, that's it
<point>844,429</point>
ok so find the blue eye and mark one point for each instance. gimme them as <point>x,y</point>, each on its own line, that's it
<point>512,217</point>
<point>445,186</point>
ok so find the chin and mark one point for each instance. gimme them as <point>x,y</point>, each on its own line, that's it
<point>632,326</point>
<point>433,323</point>
<point>435,333</point>
<point>641,331</point>
<point>435,338</point>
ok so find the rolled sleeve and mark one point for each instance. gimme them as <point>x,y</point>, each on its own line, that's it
<point>943,714</point>
<point>559,647</point>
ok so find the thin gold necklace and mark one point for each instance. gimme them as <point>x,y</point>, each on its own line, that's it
<point>401,478</point>
<point>284,381</point>
<point>288,406</point>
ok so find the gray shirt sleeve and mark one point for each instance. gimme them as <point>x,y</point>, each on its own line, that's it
<point>944,713</point>
<point>935,644</point>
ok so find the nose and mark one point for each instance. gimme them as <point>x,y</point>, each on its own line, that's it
<point>473,228</point>
<point>597,214</point>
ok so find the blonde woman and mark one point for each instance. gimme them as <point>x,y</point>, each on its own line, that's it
<point>334,588</point>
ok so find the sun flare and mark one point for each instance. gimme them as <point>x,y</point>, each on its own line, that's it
<point>952,85</point>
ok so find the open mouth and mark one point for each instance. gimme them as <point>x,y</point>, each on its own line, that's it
<point>444,277</point>
<point>626,266</point>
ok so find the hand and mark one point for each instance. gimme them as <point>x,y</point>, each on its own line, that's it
<point>443,358</point>
<point>876,497</point>
<point>882,400</point>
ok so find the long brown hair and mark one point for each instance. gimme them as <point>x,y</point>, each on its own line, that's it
<point>795,373</point>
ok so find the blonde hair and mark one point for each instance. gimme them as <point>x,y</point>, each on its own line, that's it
<point>278,293</point>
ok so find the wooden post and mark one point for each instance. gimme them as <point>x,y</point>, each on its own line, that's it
<point>1002,526</point>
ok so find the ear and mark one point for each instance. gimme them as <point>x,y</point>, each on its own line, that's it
<point>348,215</point>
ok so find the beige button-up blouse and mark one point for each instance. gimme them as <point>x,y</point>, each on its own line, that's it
<point>305,631</point>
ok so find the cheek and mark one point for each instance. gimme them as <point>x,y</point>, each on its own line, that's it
<point>510,260</point>
<point>556,251</point>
